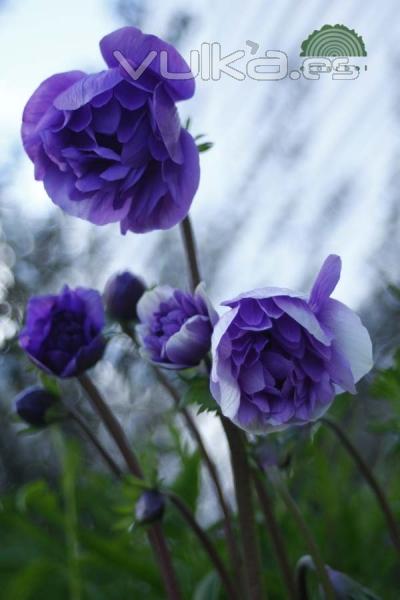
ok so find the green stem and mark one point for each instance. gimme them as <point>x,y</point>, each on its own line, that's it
<point>207,545</point>
<point>155,534</point>
<point>244,498</point>
<point>370,478</point>
<point>276,537</point>
<point>293,508</point>
<point>70,514</point>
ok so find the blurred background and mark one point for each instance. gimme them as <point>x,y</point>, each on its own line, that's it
<point>300,169</point>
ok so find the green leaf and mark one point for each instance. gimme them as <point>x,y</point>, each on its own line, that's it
<point>51,384</point>
<point>187,484</point>
<point>198,392</point>
<point>208,588</point>
<point>205,146</point>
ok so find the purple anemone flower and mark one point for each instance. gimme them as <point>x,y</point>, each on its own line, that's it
<point>175,327</point>
<point>63,333</point>
<point>280,357</point>
<point>110,147</point>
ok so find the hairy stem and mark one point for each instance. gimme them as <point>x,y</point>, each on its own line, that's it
<point>293,508</point>
<point>393,525</point>
<point>276,537</point>
<point>155,534</point>
<point>244,498</point>
<point>207,545</point>
<point>96,443</point>
<point>234,551</point>
<point>241,470</point>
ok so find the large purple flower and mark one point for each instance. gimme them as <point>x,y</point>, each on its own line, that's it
<point>109,147</point>
<point>279,357</point>
<point>175,327</point>
<point>63,334</point>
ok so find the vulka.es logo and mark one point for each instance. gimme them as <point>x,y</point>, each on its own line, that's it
<point>325,51</point>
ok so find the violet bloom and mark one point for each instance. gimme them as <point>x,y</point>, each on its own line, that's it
<point>175,327</point>
<point>121,295</point>
<point>280,357</point>
<point>110,148</point>
<point>63,333</point>
<point>33,404</point>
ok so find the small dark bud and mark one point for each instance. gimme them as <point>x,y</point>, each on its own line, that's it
<point>33,404</point>
<point>150,507</point>
<point>121,295</point>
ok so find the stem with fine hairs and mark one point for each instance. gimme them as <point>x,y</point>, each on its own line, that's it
<point>207,545</point>
<point>240,465</point>
<point>370,478</point>
<point>246,512</point>
<point>155,533</point>
<point>95,442</point>
<point>276,536</point>
<point>234,551</point>
<point>308,537</point>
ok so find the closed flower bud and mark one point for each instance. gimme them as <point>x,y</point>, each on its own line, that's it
<point>33,404</point>
<point>150,507</point>
<point>346,588</point>
<point>121,295</point>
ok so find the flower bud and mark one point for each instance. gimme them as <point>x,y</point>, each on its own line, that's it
<point>343,586</point>
<point>32,405</point>
<point>121,295</point>
<point>150,507</point>
<point>346,588</point>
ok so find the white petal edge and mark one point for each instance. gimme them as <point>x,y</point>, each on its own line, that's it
<point>350,336</point>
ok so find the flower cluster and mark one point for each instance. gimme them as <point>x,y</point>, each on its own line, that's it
<point>110,148</point>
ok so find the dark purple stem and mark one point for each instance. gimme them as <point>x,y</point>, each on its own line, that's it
<point>207,545</point>
<point>96,443</point>
<point>393,526</point>
<point>246,512</point>
<point>276,536</point>
<point>234,551</point>
<point>155,534</point>
<point>191,253</point>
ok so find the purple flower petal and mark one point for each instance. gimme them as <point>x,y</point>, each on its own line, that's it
<point>326,281</point>
<point>136,46</point>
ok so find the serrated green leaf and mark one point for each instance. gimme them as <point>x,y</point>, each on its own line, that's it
<point>198,393</point>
